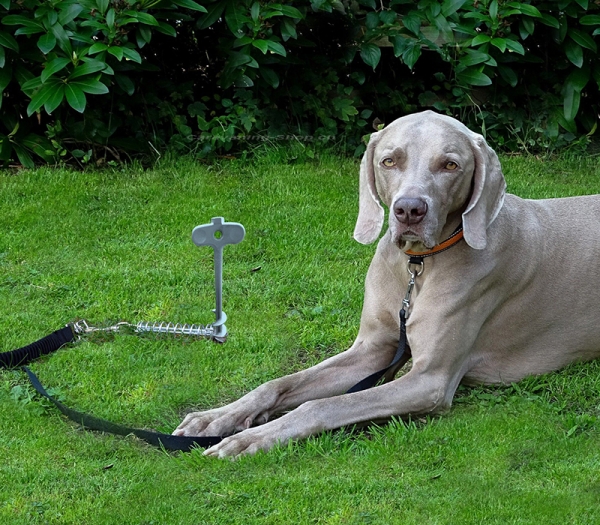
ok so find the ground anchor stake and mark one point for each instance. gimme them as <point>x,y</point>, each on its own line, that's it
<point>218,234</point>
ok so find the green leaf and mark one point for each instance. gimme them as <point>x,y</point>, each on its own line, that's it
<point>590,20</point>
<point>56,97</point>
<point>515,46</point>
<point>550,21</point>
<point>371,54</point>
<point>288,30</point>
<point>124,82</point>
<point>5,4</point>
<point>270,77</point>
<point>449,7</point>
<point>116,51</point>
<point>23,156</point>
<point>412,22</point>
<point>237,59</point>
<point>291,12</point>
<point>571,103</point>
<point>574,52</point>
<point>214,13</point>
<point>583,39</point>
<point>473,78</point>
<point>578,79</point>
<point>132,54</point>
<point>142,18</point>
<point>525,9</point>
<point>480,39</point>
<point>166,29</point>
<point>31,84</point>
<point>526,27</point>
<point>63,39</point>
<point>94,24</point>
<point>2,63</point>
<point>277,48</point>
<point>255,11</point>
<point>51,17</point>
<point>145,34</point>
<point>102,5</point>
<point>473,57</point>
<point>263,45</point>
<point>67,14</point>
<point>93,86</point>
<point>442,24</point>
<point>508,75</point>
<point>75,97</point>
<point>494,10</point>
<point>54,66</point>
<point>29,30</point>
<point>500,43</point>
<point>110,18</point>
<point>372,20</point>
<point>8,41</point>
<point>88,67</point>
<point>244,81</point>
<point>46,43</point>
<point>20,20</point>
<point>388,18</point>
<point>411,54</point>
<point>97,48</point>
<point>40,98</point>
<point>399,43</point>
<point>190,4</point>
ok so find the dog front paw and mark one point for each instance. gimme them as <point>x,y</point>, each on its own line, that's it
<point>216,422</point>
<point>247,442</point>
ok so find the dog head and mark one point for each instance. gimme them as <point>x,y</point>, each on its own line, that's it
<point>425,167</point>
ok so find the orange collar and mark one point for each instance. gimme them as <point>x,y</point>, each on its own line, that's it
<point>442,247</point>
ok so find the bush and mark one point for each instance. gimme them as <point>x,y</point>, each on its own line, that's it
<point>105,80</point>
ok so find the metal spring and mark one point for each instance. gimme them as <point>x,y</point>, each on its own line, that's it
<point>194,330</point>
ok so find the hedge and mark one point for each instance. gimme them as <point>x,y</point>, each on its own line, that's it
<point>105,80</point>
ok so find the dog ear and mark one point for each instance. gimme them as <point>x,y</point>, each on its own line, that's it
<point>370,212</point>
<point>489,188</point>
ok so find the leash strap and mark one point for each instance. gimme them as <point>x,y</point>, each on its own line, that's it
<point>400,359</point>
<point>41,347</point>
<point>158,439</point>
<point>61,337</point>
<point>56,340</point>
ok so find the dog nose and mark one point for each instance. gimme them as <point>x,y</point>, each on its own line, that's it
<point>410,211</point>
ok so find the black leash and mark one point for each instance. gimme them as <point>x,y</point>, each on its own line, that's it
<point>158,439</point>
<point>59,338</point>
<point>400,359</point>
<point>54,341</point>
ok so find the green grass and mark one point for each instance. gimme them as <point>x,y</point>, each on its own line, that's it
<point>116,245</point>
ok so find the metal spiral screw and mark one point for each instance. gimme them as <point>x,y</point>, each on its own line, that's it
<point>193,330</point>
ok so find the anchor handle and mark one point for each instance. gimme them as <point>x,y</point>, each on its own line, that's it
<point>218,234</point>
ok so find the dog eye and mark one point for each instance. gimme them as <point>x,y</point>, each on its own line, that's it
<point>451,166</point>
<point>388,163</point>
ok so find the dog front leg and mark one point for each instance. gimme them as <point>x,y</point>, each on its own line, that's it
<point>413,393</point>
<point>332,377</point>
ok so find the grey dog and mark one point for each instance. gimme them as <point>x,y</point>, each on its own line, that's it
<point>490,309</point>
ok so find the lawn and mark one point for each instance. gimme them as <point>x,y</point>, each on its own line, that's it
<point>116,245</point>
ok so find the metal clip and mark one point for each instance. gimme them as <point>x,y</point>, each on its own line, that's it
<point>411,283</point>
<point>82,328</point>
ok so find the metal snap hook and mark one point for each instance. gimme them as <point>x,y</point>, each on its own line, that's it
<point>419,265</point>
